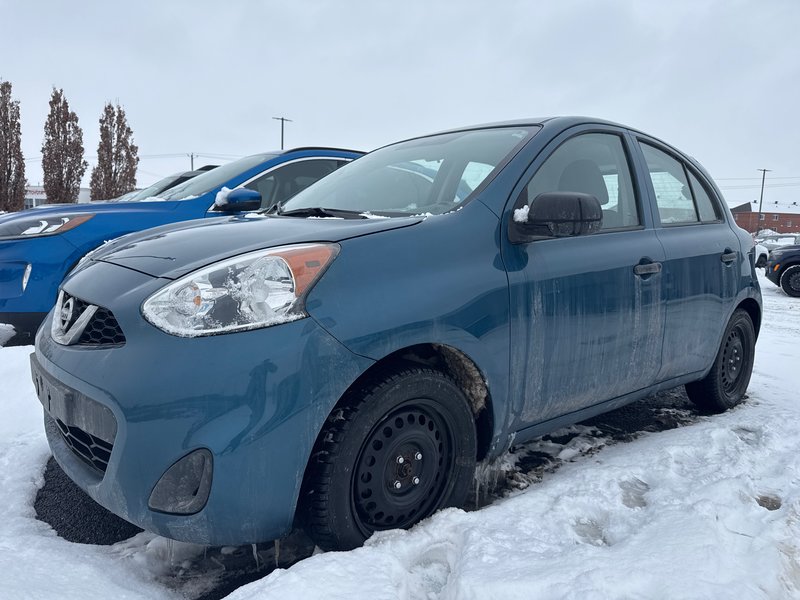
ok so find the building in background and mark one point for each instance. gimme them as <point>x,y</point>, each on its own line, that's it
<point>34,195</point>
<point>783,217</point>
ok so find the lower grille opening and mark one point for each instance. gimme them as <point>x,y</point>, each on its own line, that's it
<point>89,448</point>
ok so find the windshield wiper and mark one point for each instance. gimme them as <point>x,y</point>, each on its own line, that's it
<point>318,211</point>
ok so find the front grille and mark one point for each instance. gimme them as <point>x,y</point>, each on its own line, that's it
<point>89,448</point>
<point>102,329</point>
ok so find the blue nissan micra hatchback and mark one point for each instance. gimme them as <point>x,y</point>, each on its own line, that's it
<point>345,362</point>
<point>38,247</point>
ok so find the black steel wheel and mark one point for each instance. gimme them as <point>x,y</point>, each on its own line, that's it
<point>790,281</point>
<point>725,385</point>
<point>390,455</point>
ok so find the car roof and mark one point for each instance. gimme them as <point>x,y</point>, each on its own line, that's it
<point>320,148</point>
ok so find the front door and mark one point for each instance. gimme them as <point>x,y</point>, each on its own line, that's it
<point>587,321</point>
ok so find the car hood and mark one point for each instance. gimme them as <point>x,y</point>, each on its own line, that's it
<point>83,208</point>
<point>788,248</point>
<point>171,251</point>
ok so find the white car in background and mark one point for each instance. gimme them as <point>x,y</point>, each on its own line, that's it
<point>761,256</point>
<point>771,242</point>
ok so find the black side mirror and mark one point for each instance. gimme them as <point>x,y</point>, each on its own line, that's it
<point>240,199</point>
<point>557,214</point>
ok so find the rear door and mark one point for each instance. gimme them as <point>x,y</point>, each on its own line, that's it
<point>587,321</point>
<point>703,256</point>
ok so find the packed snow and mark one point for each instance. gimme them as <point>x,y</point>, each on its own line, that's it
<point>521,214</point>
<point>708,510</point>
<point>221,198</point>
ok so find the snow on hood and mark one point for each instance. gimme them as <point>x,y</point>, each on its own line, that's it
<point>173,250</point>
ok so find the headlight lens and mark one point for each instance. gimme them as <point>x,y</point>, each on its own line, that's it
<point>250,291</point>
<point>39,226</point>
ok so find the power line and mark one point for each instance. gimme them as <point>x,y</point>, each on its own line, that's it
<point>757,186</point>
<point>751,178</point>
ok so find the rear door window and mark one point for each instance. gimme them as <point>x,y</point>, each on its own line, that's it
<point>680,195</point>
<point>705,205</point>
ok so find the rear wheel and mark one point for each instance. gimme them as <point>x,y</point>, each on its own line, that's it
<point>393,454</point>
<point>725,385</point>
<point>790,281</point>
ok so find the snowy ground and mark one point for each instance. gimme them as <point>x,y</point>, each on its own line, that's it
<point>707,510</point>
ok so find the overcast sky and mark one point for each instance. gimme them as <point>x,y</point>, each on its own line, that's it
<point>719,79</point>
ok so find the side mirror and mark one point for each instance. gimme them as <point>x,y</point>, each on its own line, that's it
<point>240,199</point>
<point>557,214</point>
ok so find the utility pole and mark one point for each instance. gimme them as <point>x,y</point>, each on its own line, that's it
<point>761,201</point>
<point>191,160</point>
<point>282,120</point>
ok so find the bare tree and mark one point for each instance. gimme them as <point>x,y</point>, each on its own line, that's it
<point>62,152</point>
<point>117,156</point>
<point>12,165</point>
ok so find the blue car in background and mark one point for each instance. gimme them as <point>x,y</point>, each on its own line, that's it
<point>344,362</point>
<point>159,186</point>
<point>38,247</point>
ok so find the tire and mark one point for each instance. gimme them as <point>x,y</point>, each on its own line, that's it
<point>389,456</point>
<point>725,385</point>
<point>790,281</point>
<point>762,261</point>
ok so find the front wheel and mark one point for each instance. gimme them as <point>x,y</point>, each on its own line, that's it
<point>391,455</point>
<point>790,281</point>
<point>725,385</point>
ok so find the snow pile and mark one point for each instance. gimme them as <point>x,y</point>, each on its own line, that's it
<point>708,510</point>
<point>34,562</point>
<point>521,214</point>
<point>6,333</point>
<point>221,198</point>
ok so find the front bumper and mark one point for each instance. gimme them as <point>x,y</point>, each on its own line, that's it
<point>255,400</point>
<point>773,273</point>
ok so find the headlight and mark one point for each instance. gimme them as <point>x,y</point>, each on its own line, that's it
<point>253,290</point>
<point>39,226</point>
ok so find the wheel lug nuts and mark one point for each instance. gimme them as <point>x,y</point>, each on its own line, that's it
<point>400,460</point>
<point>415,481</point>
<point>418,456</point>
<point>397,485</point>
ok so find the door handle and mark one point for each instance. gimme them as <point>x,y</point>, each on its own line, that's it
<point>728,256</point>
<point>647,268</point>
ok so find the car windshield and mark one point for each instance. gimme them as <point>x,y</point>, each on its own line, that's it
<point>210,180</point>
<point>426,175</point>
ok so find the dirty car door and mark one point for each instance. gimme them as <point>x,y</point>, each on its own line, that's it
<point>587,321</point>
<point>703,259</point>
